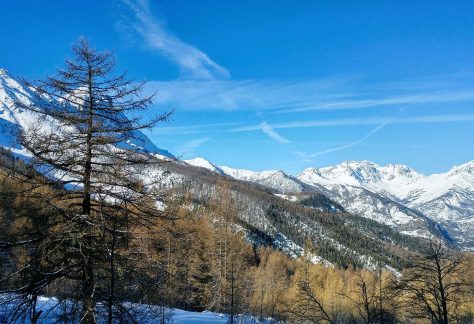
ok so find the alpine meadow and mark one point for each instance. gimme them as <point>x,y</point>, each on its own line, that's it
<point>109,212</point>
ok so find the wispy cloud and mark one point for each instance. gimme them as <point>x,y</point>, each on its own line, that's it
<point>189,148</point>
<point>195,129</point>
<point>228,95</point>
<point>268,129</point>
<point>419,98</point>
<point>288,97</point>
<point>349,145</point>
<point>192,62</point>
<point>376,120</point>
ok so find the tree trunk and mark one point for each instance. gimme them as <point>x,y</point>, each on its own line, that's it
<point>112,278</point>
<point>442,295</point>
<point>232,292</point>
<point>88,283</point>
<point>88,289</point>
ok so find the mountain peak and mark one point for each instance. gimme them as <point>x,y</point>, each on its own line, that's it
<point>360,171</point>
<point>198,160</point>
<point>279,173</point>
<point>203,163</point>
<point>399,170</point>
<point>467,167</point>
<point>9,80</point>
<point>311,172</point>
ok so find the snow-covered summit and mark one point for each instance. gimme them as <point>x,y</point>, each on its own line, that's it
<point>274,179</point>
<point>203,163</point>
<point>447,198</point>
<point>356,172</point>
<point>395,180</point>
<point>466,168</point>
<point>247,175</point>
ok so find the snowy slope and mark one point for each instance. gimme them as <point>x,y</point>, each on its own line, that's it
<point>342,183</point>
<point>13,118</point>
<point>205,164</point>
<point>274,179</point>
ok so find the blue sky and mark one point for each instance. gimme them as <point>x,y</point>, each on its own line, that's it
<point>278,84</point>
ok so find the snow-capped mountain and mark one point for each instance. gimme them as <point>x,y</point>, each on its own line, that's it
<point>277,180</point>
<point>396,181</point>
<point>274,179</point>
<point>205,164</point>
<point>13,118</point>
<point>396,195</point>
<point>446,198</point>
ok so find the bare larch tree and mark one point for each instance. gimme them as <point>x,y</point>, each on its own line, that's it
<point>435,284</point>
<point>86,143</point>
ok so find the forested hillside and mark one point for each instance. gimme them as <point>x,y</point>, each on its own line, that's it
<point>336,236</point>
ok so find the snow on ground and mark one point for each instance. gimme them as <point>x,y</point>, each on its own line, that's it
<point>316,259</point>
<point>288,246</point>
<point>418,233</point>
<point>185,317</point>
<point>52,310</point>
<point>287,197</point>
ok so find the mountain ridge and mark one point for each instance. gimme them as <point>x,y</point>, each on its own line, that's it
<point>394,194</point>
<point>13,89</point>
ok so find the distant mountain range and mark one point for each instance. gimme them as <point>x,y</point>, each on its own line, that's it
<point>394,194</point>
